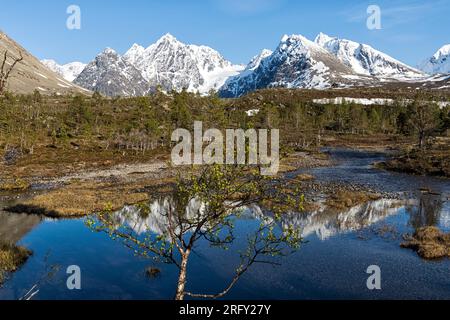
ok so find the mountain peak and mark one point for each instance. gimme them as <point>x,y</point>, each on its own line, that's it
<point>439,62</point>
<point>299,41</point>
<point>109,51</point>
<point>266,52</point>
<point>134,53</point>
<point>263,54</point>
<point>365,60</point>
<point>167,38</point>
<point>294,38</point>
<point>284,38</point>
<point>256,61</point>
<point>112,75</point>
<point>323,38</point>
<point>69,71</point>
<point>297,44</point>
<point>136,46</point>
<point>174,65</point>
<point>443,51</point>
<point>296,63</point>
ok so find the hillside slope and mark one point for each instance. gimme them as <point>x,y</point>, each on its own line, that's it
<point>30,74</point>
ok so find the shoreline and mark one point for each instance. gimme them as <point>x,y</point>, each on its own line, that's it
<point>115,184</point>
<point>86,192</point>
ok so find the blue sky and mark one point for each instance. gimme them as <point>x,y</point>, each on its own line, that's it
<point>411,30</point>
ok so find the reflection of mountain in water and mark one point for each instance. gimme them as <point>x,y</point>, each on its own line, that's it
<point>322,222</point>
<point>325,223</point>
<point>156,221</point>
<point>13,227</point>
<point>444,220</point>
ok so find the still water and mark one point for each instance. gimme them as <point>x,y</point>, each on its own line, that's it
<point>332,263</point>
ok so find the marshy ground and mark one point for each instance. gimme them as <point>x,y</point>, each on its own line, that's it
<point>336,212</point>
<point>429,242</point>
<point>11,258</point>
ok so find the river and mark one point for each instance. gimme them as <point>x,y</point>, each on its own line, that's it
<point>332,264</point>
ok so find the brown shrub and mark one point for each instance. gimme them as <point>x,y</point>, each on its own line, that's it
<point>11,258</point>
<point>429,242</point>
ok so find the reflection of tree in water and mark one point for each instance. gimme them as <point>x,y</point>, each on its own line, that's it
<point>48,275</point>
<point>427,212</point>
<point>204,207</point>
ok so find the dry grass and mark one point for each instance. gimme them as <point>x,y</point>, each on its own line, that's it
<point>344,200</point>
<point>433,162</point>
<point>48,162</point>
<point>303,177</point>
<point>11,258</point>
<point>429,242</point>
<point>81,199</point>
<point>14,185</point>
<point>285,168</point>
<point>303,160</point>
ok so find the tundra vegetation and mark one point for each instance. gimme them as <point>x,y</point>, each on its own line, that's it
<point>36,130</point>
<point>48,137</point>
<point>429,242</point>
<point>11,258</point>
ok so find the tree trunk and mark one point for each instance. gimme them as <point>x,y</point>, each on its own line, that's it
<point>182,277</point>
<point>421,140</point>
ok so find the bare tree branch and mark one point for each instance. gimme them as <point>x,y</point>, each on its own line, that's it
<point>5,73</point>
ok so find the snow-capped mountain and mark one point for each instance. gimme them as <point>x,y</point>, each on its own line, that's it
<point>365,60</point>
<point>256,61</point>
<point>327,62</point>
<point>174,65</point>
<point>134,54</point>
<point>438,63</point>
<point>68,71</point>
<point>112,75</point>
<point>296,63</point>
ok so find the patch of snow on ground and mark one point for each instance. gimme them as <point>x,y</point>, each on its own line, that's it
<point>41,75</point>
<point>252,113</point>
<point>369,102</point>
<point>363,101</point>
